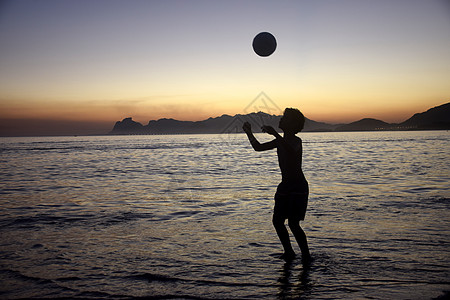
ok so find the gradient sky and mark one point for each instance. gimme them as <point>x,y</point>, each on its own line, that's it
<point>96,62</point>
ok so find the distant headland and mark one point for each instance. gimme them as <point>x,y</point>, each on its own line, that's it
<point>436,118</point>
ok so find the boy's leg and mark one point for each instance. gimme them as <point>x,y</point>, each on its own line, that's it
<point>300,237</point>
<point>283,235</point>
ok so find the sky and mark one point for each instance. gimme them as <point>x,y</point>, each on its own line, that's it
<point>77,67</point>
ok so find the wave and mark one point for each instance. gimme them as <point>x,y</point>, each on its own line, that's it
<point>79,219</point>
<point>51,147</point>
<point>151,277</point>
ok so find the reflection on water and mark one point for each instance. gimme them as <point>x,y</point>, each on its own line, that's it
<point>294,284</point>
<point>190,216</point>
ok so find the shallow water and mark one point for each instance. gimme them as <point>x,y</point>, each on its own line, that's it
<point>190,217</point>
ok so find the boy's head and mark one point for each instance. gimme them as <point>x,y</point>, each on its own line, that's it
<point>292,120</point>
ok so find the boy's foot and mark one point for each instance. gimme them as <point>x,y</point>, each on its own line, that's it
<point>288,256</point>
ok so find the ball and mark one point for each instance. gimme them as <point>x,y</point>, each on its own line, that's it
<point>264,44</point>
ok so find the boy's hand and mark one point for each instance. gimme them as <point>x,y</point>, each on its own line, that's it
<point>247,127</point>
<point>269,130</point>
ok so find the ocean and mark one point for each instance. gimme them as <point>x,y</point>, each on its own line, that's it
<point>189,217</point>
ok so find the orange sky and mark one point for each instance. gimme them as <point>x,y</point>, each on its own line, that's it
<point>83,66</point>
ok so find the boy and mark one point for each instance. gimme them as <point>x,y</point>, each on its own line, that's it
<point>291,197</point>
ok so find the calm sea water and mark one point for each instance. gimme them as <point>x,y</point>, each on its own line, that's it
<point>190,217</point>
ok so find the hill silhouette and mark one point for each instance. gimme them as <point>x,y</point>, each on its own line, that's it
<point>222,124</point>
<point>365,125</point>
<point>434,118</point>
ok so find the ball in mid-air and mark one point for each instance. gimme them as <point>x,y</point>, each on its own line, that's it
<point>264,44</point>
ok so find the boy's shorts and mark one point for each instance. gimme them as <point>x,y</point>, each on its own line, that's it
<point>290,206</point>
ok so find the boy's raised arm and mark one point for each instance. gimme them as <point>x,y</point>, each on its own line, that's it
<point>257,146</point>
<point>270,130</point>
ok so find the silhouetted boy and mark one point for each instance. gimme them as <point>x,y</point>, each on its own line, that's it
<point>291,198</point>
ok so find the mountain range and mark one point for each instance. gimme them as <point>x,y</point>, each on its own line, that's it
<point>436,118</point>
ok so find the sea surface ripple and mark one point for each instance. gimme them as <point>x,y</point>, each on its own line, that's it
<point>189,217</point>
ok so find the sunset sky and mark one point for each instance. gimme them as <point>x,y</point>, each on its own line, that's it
<point>78,66</point>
